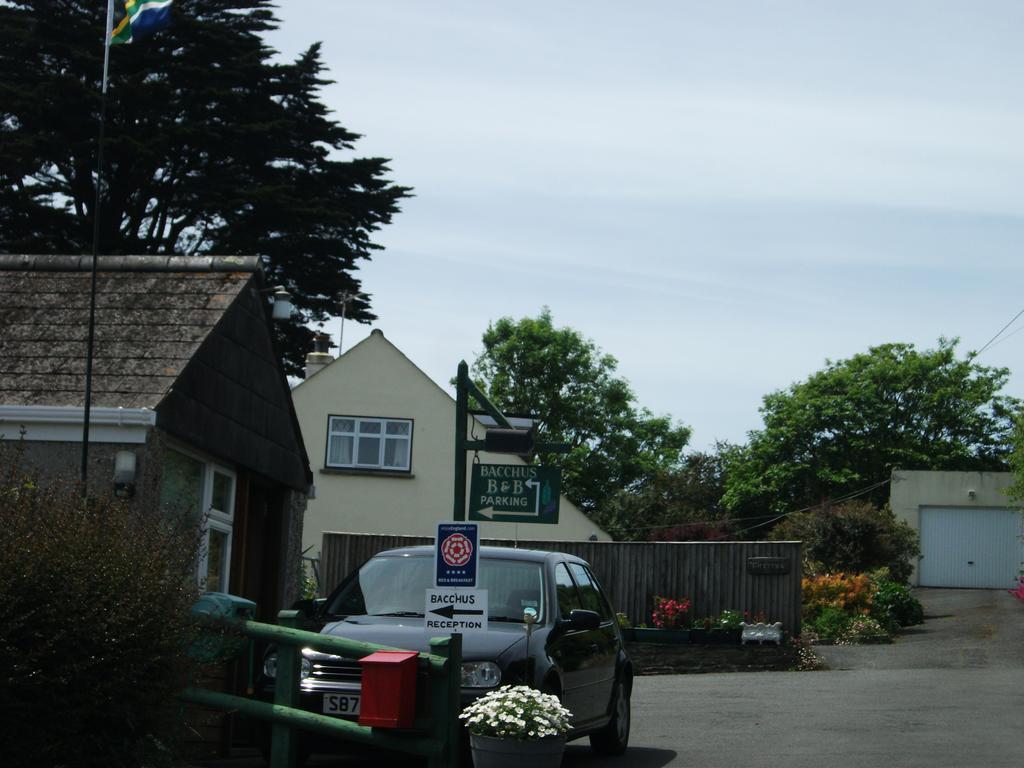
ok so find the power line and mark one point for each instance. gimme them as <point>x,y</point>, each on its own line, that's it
<point>772,518</point>
<point>989,342</point>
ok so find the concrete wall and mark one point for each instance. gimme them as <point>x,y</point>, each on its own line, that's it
<point>912,490</point>
<point>374,379</point>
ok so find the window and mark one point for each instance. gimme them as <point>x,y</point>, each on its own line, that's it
<point>193,486</point>
<point>588,591</point>
<point>568,597</point>
<point>355,442</point>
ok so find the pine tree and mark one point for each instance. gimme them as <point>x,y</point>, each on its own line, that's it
<point>211,147</point>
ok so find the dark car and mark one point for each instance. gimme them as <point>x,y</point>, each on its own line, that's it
<point>575,648</point>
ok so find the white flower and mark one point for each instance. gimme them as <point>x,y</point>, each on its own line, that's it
<point>516,712</point>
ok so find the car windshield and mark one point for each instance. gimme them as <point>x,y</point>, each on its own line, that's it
<point>395,586</point>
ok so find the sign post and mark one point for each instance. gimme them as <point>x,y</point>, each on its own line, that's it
<point>464,388</point>
<point>454,605</point>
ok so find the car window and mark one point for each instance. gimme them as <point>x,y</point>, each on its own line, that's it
<point>589,595</point>
<point>512,586</point>
<point>568,597</point>
<point>397,585</point>
<point>607,611</point>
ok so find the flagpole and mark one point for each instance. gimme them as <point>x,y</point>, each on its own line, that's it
<point>86,414</point>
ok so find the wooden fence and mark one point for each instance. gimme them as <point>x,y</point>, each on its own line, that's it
<point>752,576</point>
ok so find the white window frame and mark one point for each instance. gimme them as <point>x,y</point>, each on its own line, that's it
<point>213,519</point>
<point>382,436</point>
<point>218,520</point>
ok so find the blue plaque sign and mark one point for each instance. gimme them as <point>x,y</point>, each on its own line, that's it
<point>455,554</point>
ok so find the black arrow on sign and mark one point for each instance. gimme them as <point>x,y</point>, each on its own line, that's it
<point>449,610</point>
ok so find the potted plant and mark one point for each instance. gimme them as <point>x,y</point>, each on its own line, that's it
<point>669,619</point>
<point>725,629</point>
<point>516,724</point>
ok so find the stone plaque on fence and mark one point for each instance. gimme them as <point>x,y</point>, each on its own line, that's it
<point>768,566</point>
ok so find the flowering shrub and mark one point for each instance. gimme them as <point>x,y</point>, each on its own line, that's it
<point>850,594</point>
<point>860,628</point>
<point>1019,591</point>
<point>516,712</point>
<point>670,614</point>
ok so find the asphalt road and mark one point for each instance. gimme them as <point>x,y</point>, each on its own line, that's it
<point>947,694</point>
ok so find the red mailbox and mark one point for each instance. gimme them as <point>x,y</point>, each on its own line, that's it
<point>389,689</point>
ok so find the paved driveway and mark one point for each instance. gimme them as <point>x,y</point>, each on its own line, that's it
<point>948,694</point>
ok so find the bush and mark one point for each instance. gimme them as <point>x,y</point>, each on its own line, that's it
<point>668,613</point>
<point>854,537</point>
<point>849,594</point>
<point>94,602</point>
<point>830,623</point>
<point>858,629</point>
<point>894,607</point>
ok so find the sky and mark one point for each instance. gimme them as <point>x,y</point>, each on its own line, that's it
<point>723,196</point>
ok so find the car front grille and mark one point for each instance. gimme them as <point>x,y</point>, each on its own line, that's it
<point>335,670</point>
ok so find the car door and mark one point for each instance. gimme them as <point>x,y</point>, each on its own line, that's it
<point>604,641</point>
<point>570,649</point>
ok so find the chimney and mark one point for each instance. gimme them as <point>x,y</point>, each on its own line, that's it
<point>320,357</point>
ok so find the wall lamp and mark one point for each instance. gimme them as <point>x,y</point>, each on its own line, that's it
<point>282,307</point>
<point>124,474</point>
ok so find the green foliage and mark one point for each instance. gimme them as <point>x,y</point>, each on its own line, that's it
<point>729,620</point>
<point>854,537</point>
<point>893,606</point>
<point>1016,490</point>
<point>831,622</point>
<point>530,367</point>
<point>212,146</point>
<point>679,504</point>
<point>94,602</point>
<point>848,426</point>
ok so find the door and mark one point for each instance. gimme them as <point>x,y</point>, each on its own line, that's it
<point>570,650</point>
<point>970,547</point>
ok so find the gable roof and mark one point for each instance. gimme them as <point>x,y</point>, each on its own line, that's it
<point>184,336</point>
<point>152,313</point>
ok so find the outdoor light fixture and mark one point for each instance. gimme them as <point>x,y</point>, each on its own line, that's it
<point>283,306</point>
<point>124,474</point>
<point>971,493</point>
<point>518,441</point>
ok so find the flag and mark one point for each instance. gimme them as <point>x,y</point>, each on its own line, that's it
<point>141,19</point>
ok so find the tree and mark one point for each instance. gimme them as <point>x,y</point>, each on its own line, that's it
<point>211,147</point>
<point>1016,460</point>
<point>853,537</point>
<point>679,504</point>
<point>531,367</point>
<point>848,426</point>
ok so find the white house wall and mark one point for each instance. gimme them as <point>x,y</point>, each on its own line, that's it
<point>374,379</point>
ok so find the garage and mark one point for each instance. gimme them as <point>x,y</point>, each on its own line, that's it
<point>970,527</point>
<point>970,547</point>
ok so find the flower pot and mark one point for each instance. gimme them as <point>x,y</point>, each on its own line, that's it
<point>491,752</point>
<point>661,636</point>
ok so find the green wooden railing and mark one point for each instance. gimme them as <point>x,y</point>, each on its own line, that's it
<point>435,737</point>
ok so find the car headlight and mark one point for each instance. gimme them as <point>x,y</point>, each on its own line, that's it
<point>480,674</point>
<point>270,667</point>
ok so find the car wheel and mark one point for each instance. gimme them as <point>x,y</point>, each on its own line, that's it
<point>614,737</point>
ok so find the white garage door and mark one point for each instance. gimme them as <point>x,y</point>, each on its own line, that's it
<point>970,547</point>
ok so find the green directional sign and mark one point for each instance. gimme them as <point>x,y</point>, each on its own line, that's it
<point>514,493</point>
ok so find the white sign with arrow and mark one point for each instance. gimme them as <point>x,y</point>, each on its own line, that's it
<point>451,609</point>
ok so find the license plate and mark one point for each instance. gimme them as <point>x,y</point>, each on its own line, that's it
<point>341,703</point>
